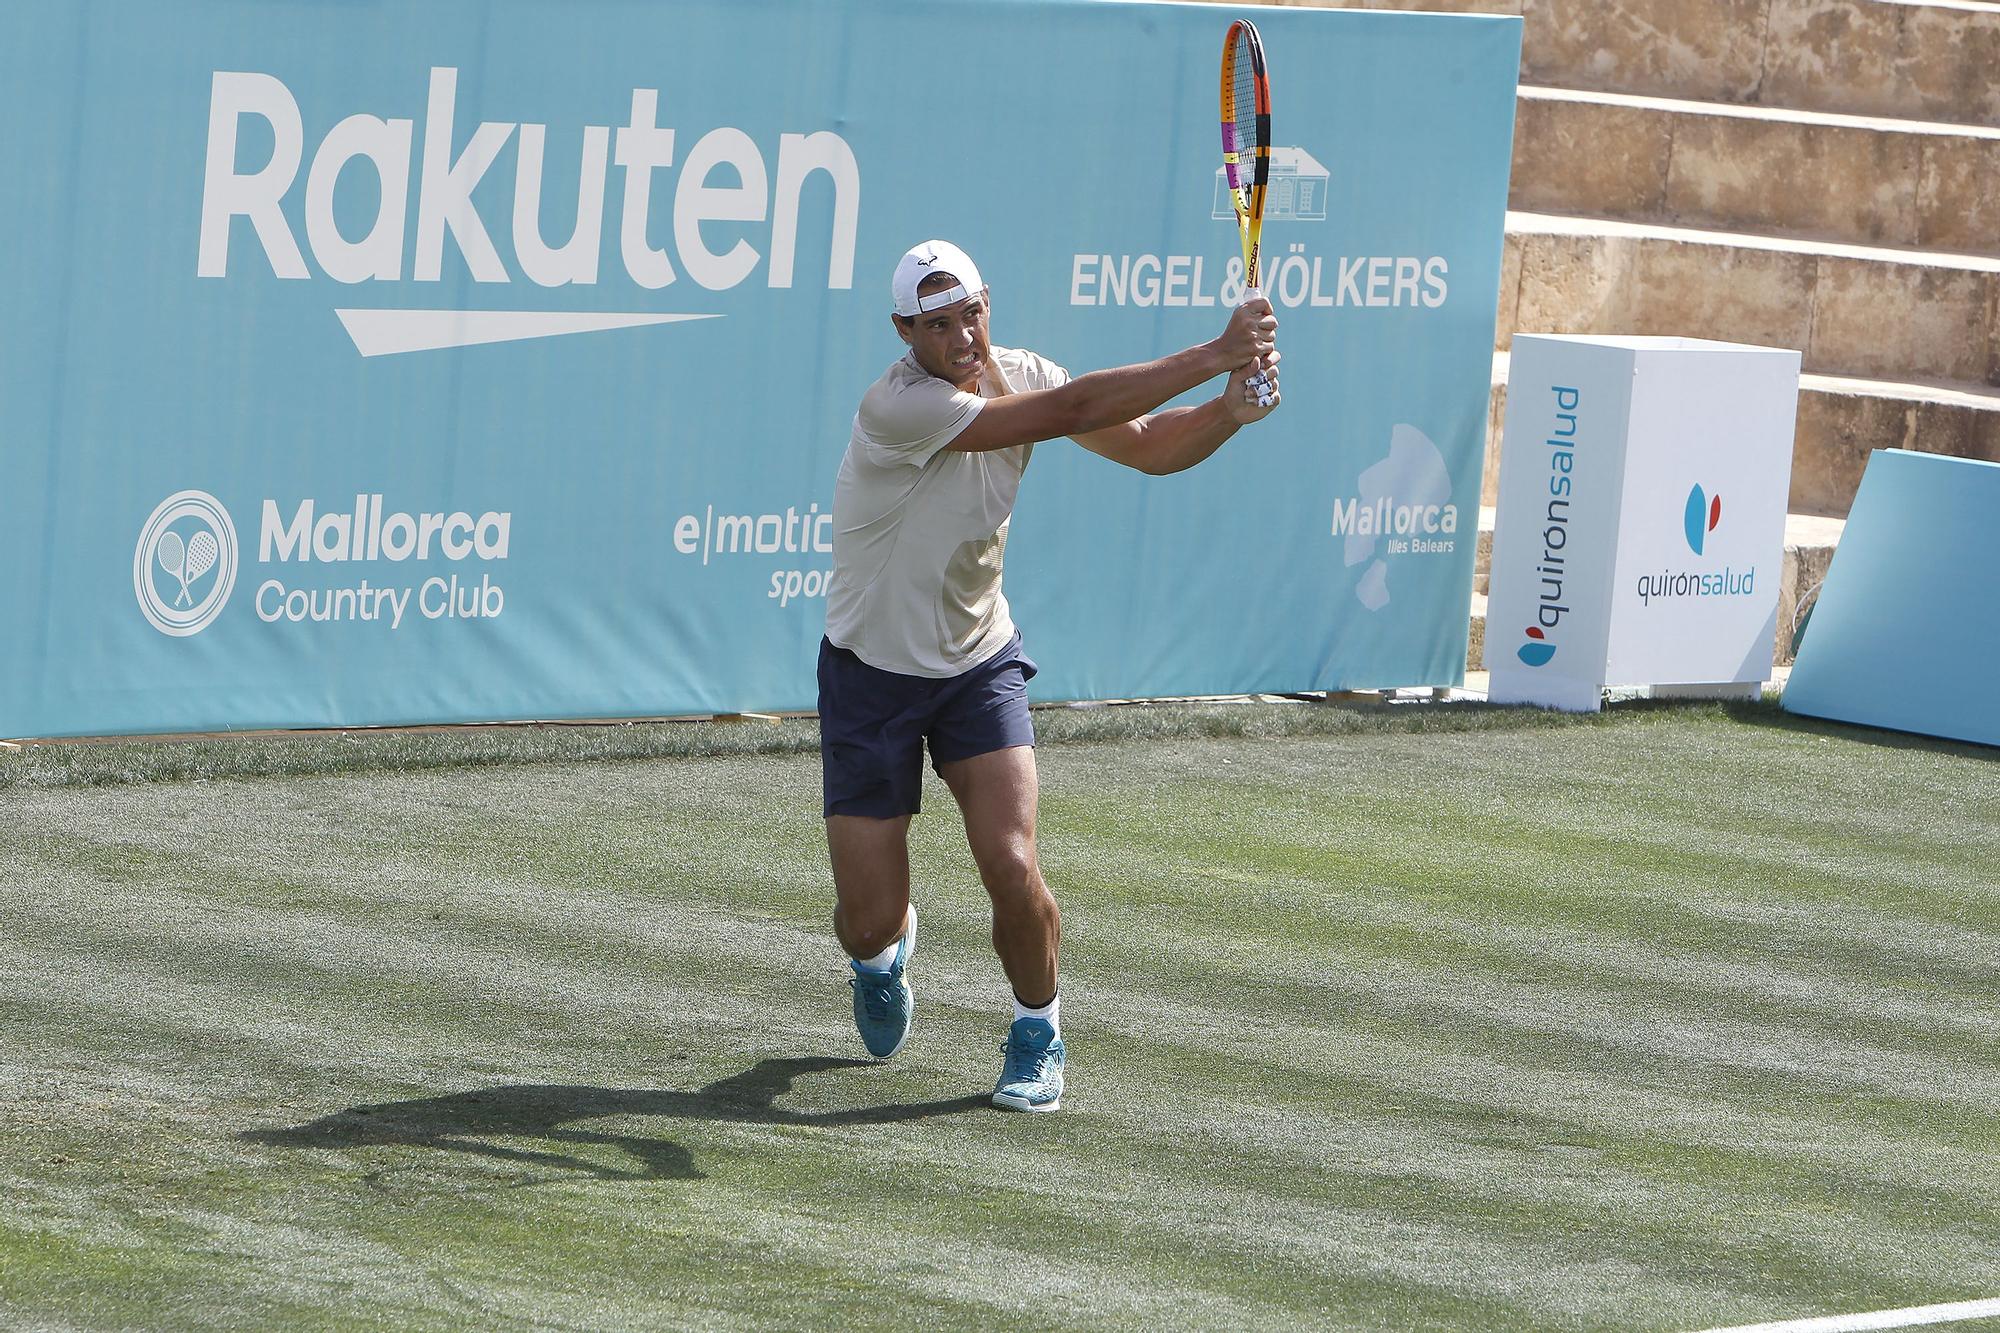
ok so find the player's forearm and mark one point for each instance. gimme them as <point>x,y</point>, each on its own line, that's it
<point>1176,440</point>
<point>1124,393</point>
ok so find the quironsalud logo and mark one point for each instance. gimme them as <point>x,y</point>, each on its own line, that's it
<point>1702,514</point>
<point>185,564</point>
<point>1537,651</point>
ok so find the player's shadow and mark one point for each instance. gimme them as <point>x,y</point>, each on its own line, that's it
<point>467,1122</point>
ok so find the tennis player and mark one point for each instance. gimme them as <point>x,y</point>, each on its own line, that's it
<point>920,649</point>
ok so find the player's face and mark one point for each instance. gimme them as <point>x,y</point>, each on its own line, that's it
<point>951,342</point>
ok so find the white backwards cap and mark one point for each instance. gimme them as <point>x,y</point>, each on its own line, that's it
<point>926,259</point>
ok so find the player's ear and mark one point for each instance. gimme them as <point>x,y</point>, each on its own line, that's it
<point>903,326</point>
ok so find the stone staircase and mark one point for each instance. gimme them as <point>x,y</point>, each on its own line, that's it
<point>1822,175</point>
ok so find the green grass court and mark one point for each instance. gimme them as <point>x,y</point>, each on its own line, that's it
<point>1423,1018</point>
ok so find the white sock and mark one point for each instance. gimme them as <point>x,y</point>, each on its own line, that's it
<point>1050,1013</point>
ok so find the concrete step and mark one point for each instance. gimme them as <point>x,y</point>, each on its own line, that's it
<point>1869,312</point>
<point>1873,57</point>
<point>1841,421</point>
<point>1913,61</point>
<point>1854,179</point>
<point>1475,641</point>
<point>1482,552</point>
<point>1809,544</point>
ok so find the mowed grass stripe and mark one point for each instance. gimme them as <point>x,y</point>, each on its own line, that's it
<point>1373,1030</point>
<point>113,762</point>
<point>1465,972</point>
<point>384,958</point>
<point>1581,1106</point>
<point>1537,1172</point>
<point>1675,963</point>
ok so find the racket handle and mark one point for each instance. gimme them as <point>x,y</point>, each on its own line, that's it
<point>1257,382</point>
<point>1261,386</point>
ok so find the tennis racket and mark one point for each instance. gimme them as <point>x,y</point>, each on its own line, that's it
<point>172,555</point>
<point>1246,152</point>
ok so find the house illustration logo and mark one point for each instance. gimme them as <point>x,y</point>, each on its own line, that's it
<point>1296,192</point>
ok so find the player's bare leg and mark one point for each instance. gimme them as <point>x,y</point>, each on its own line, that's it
<point>872,920</point>
<point>996,794</point>
<point>871,880</point>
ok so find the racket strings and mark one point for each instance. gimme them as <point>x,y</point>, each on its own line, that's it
<point>1243,103</point>
<point>1244,129</point>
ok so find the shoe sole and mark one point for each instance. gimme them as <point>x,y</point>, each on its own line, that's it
<point>1007,1103</point>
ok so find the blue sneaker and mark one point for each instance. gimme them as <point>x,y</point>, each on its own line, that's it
<point>1031,1078</point>
<point>883,1006</point>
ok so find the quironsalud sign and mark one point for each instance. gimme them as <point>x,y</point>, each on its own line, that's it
<point>1641,517</point>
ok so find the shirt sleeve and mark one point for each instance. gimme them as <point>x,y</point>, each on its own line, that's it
<point>1046,374</point>
<point>908,424</point>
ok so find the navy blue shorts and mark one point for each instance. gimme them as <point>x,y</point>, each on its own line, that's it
<point>873,725</point>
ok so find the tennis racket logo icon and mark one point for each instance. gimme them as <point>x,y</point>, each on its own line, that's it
<point>185,566</point>
<point>186,560</point>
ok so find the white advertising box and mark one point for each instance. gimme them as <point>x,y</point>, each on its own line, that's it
<point>1640,528</point>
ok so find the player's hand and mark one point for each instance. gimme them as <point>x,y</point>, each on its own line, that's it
<point>1252,332</point>
<point>1240,397</point>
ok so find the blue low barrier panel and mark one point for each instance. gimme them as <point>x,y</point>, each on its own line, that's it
<point>1906,632</point>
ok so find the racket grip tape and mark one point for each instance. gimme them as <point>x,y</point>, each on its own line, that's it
<point>1258,383</point>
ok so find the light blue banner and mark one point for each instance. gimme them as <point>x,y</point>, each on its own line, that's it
<point>1907,626</point>
<point>379,363</point>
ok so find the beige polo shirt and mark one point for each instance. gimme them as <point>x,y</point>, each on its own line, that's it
<point>919,530</point>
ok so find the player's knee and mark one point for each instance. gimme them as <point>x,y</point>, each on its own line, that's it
<point>867,932</point>
<point>1012,874</point>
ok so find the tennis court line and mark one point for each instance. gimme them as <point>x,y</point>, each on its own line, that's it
<point>1909,1317</point>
